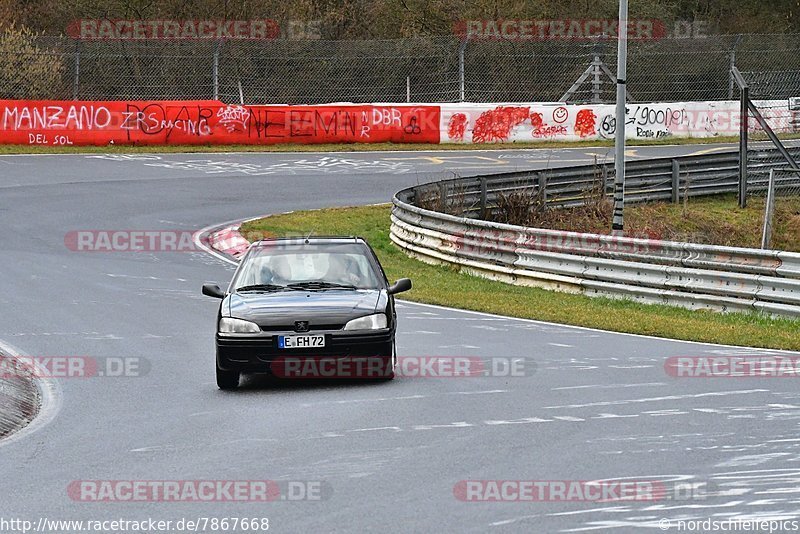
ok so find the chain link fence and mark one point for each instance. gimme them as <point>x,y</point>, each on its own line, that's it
<point>781,200</point>
<point>435,69</point>
<point>769,150</point>
<point>782,131</point>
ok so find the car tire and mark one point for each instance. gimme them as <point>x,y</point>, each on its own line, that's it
<point>390,375</point>
<point>227,379</point>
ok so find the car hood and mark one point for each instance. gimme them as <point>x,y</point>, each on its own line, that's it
<point>319,308</point>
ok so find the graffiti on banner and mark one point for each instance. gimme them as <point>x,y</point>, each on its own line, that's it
<point>488,123</point>
<point>492,123</point>
<point>207,122</point>
<point>211,122</point>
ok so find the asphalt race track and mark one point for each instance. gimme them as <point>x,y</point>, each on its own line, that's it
<point>591,405</point>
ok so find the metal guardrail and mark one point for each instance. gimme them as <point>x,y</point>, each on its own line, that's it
<point>645,180</point>
<point>652,271</point>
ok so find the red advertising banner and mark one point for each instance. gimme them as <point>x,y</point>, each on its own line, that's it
<point>199,122</point>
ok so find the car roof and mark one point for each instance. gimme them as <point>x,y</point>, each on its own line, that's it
<point>308,240</point>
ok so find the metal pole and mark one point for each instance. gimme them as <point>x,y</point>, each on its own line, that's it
<point>241,92</point>
<point>769,212</point>
<point>408,88</point>
<point>744,129</point>
<point>617,225</point>
<point>215,71</point>
<point>461,89</point>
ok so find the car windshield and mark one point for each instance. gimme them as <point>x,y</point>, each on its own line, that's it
<point>307,266</point>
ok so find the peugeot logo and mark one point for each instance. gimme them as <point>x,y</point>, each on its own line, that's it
<point>301,326</point>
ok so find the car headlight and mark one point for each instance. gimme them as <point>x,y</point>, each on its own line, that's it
<point>231,325</point>
<point>370,322</point>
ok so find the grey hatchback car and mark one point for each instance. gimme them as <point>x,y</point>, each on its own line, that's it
<point>301,303</point>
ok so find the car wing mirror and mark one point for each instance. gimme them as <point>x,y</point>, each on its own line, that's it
<point>213,290</point>
<point>404,284</point>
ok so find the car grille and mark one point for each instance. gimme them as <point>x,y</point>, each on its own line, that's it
<point>289,328</point>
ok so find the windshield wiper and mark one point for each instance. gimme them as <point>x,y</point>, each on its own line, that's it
<point>261,287</point>
<point>319,285</point>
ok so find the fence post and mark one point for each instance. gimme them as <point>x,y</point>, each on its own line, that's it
<point>461,74</point>
<point>597,72</point>
<point>732,67</point>
<point>408,88</point>
<point>676,181</point>
<point>484,184</point>
<point>76,83</point>
<point>215,71</point>
<point>769,212</point>
<point>597,88</point>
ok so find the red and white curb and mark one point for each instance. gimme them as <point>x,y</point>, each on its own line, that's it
<point>27,403</point>
<point>228,241</point>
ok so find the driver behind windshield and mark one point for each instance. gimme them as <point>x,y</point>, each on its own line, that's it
<point>342,271</point>
<point>277,271</point>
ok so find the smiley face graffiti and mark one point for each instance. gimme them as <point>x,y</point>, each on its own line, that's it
<point>560,114</point>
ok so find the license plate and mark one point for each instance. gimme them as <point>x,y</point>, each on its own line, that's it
<point>301,342</point>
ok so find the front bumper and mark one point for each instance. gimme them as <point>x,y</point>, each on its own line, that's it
<point>260,354</point>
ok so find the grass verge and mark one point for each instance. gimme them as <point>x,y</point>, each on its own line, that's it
<point>340,147</point>
<point>447,287</point>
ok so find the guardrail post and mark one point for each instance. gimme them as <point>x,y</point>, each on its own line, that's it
<point>543,188</point>
<point>676,181</point>
<point>484,181</point>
